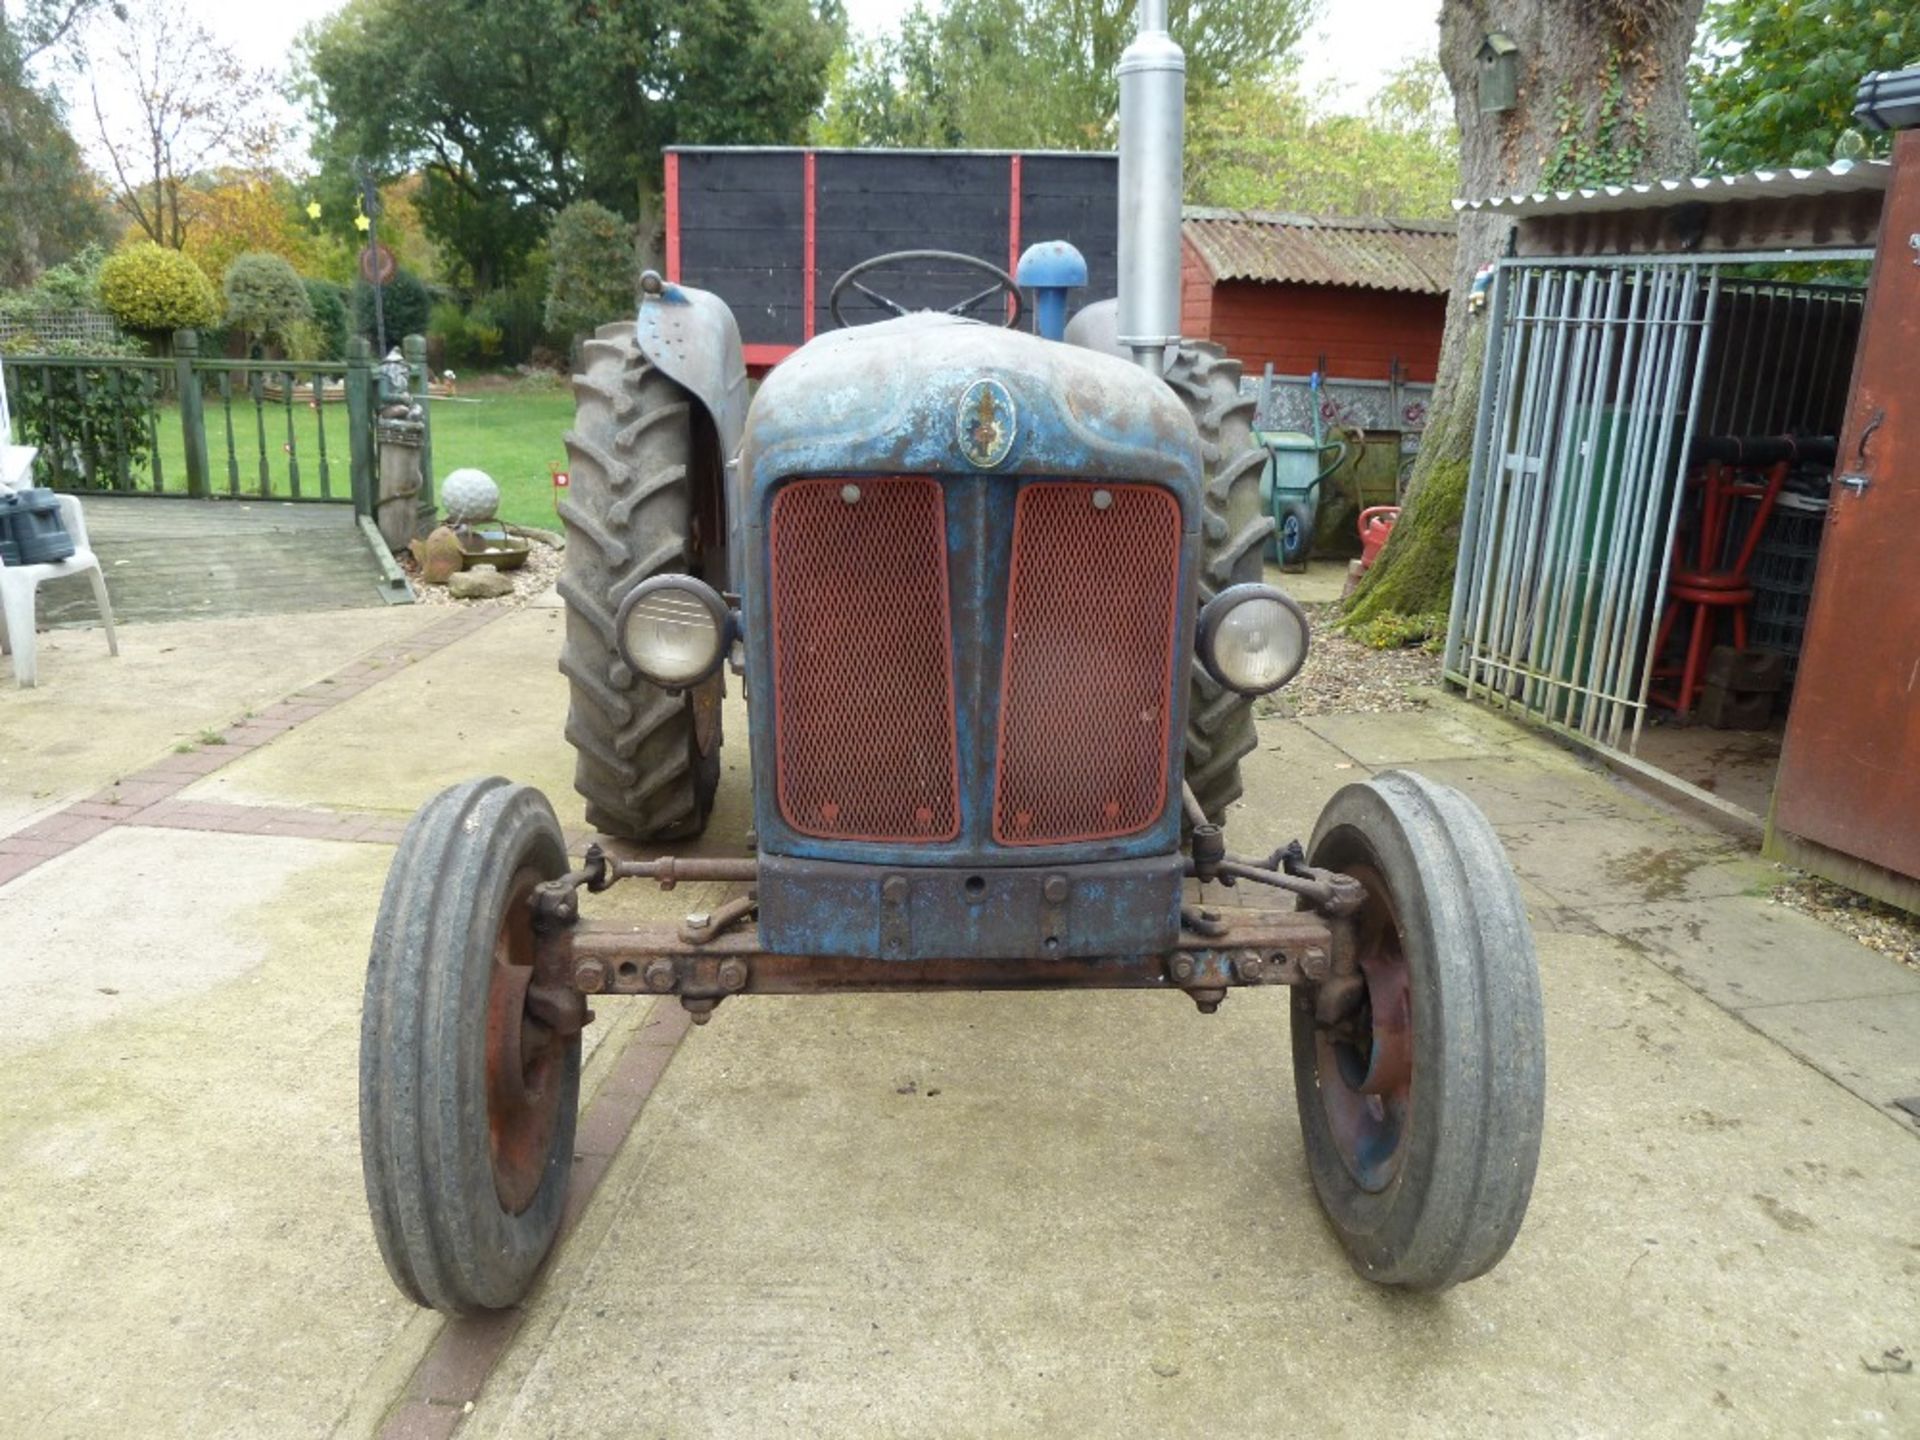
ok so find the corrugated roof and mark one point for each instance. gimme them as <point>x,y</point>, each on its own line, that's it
<point>1843,177</point>
<point>1412,255</point>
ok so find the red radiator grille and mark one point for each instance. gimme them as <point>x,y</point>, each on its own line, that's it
<point>863,661</point>
<point>1085,689</point>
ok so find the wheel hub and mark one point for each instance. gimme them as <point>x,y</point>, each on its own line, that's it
<point>524,1058</point>
<point>1364,1057</point>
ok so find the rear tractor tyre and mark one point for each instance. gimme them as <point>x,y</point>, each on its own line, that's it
<point>1421,1091</point>
<point>467,1098</point>
<point>647,760</point>
<point>1236,533</point>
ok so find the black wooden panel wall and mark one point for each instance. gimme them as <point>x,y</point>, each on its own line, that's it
<point>1075,198</point>
<point>742,225</point>
<point>742,214</point>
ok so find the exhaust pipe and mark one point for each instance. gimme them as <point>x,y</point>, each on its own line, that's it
<point>1153,102</point>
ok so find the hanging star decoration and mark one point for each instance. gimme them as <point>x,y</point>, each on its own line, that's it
<point>313,210</point>
<point>360,220</point>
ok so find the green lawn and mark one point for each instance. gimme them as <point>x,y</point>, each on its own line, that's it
<point>511,431</point>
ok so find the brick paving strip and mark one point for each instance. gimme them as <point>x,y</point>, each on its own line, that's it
<point>465,1351</point>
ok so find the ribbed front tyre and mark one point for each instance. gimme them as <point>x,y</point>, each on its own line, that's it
<point>1421,1092</point>
<point>467,1098</point>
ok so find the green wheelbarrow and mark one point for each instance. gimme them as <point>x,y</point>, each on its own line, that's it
<point>1290,488</point>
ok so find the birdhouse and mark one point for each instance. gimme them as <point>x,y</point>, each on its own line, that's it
<point>1499,72</point>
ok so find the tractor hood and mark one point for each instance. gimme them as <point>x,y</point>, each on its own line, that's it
<point>933,394</point>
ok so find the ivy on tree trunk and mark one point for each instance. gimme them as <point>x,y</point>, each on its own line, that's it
<point>1601,100</point>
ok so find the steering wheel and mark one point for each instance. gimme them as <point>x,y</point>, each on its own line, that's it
<point>1003,284</point>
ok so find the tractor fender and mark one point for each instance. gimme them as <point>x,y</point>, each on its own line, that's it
<point>692,337</point>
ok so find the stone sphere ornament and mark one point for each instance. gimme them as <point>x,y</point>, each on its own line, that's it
<point>469,497</point>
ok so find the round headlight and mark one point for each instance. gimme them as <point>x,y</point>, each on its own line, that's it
<point>1252,638</point>
<point>673,630</point>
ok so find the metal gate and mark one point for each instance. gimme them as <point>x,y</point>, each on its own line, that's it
<point>1591,380</point>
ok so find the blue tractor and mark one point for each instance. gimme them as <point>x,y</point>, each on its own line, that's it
<point>996,602</point>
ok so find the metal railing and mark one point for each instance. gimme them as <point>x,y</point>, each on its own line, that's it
<point>205,426</point>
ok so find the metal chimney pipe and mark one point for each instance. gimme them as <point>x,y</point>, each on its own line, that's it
<point>1153,105</point>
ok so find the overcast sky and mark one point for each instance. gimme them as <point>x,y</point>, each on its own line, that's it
<point>1349,50</point>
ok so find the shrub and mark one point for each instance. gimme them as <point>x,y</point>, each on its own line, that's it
<point>406,302</point>
<point>330,321</point>
<point>89,421</point>
<point>590,276</point>
<point>265,298</point>
<point>148,288</point>
<point>74,285</point>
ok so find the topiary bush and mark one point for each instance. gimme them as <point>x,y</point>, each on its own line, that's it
<point>407,303</point>
<point>265,298</point>
<point>147,288</point>
<point>331,322</point>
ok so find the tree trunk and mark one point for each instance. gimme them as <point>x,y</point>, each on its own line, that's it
<point>1601,100</point>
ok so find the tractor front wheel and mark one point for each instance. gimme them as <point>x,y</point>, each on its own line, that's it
<point>1421,1082</point>
<point>468,1092</point>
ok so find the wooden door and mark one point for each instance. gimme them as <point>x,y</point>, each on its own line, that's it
<point>1850,770</point>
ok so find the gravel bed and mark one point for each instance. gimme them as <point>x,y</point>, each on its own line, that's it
<point>1344,677</point>
<point>531,579</point>
<point>1879,927</point>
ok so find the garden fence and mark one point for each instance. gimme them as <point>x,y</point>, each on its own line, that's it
<point>204,427</point>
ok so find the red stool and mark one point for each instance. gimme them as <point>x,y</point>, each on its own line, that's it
<point>1710,587</point>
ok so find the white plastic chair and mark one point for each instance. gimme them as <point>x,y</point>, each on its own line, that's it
<point>18,583</point>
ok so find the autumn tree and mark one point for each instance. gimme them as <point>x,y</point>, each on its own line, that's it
<point>190,108</point>
<point>1602,99</point>
<point>240,212</point>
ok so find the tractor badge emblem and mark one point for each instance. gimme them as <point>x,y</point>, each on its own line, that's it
<point>987,424</point>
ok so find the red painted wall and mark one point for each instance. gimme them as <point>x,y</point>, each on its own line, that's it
<point>1357,332</point>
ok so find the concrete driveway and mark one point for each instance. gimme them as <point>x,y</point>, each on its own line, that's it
<point>967,1215</point>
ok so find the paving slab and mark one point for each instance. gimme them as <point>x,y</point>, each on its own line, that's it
<point>1288,779</point>
<point>1088,1215</point>
<point>1871,1046</point>
<point>1610,860</point>
<point>494,702</point>
<point>184,1244</point>
<point>1403,737</point>
<point>186,1249</point>
<point>94,717</point>
<point>1742,951</point>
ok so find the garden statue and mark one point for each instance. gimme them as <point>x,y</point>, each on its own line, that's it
<point>469,497</point>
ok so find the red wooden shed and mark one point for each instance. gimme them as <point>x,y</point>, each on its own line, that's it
<point>1348,298</point>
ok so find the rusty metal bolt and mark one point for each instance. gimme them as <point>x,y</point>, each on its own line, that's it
<point>1252,969</point>
<point>1181,969</point>
<point>1056,889</point>
<point>1314,963</point>
<point>659,976</point>
<point>590,977</point>
<point>733,974</point>
<point>895,889</point>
